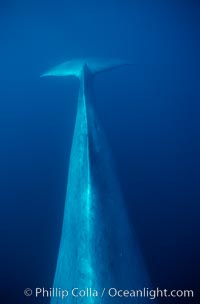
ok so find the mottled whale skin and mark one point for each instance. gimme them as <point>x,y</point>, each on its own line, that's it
<point>97,248</point>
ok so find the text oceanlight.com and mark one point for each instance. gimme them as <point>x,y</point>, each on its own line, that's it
<point>41,292</point>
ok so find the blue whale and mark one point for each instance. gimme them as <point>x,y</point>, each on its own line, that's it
<point>98,249</point>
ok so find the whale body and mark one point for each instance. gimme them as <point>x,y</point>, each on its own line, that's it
<point>98,248</point>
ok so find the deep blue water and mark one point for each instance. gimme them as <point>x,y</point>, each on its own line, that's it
<point>150,113</point>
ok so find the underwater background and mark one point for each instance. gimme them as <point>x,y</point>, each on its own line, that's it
<point>150,113</point>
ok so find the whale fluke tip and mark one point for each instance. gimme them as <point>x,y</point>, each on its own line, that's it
<point>74,67</point>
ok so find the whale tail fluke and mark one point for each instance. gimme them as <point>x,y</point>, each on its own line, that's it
<point>74,67</point>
